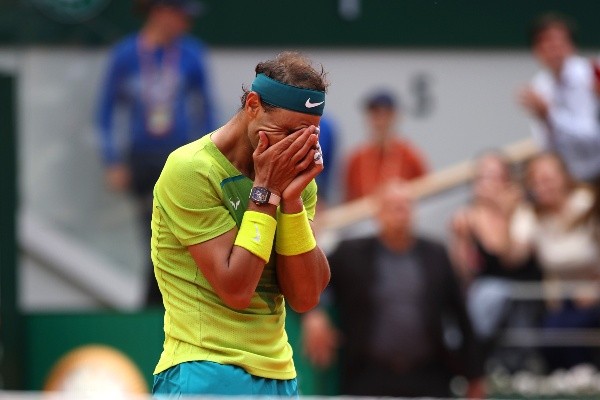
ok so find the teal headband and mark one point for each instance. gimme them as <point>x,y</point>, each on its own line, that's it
<point>290,97</point>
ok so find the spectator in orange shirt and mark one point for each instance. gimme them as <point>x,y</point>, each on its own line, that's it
<point>386,155</point>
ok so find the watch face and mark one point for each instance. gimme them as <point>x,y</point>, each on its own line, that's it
<point>260,195</point>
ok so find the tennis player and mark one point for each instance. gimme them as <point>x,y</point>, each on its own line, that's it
<point>232,240</point>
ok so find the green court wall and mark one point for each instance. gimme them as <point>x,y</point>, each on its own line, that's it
<point>49,336</point>
<point>396,23</point>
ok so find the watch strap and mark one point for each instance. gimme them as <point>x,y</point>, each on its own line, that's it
<point>274,199</point>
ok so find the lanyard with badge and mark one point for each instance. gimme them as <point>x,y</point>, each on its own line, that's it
<point>158,86</point>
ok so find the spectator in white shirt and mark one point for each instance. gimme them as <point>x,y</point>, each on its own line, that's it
<point>563,99</point>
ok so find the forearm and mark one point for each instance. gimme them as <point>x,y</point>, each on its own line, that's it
<point>512,250</point>
<point>234,261</point>
<point>104,127</point>
<point>250,252</point>
<point>513,253</point>
<point>238,278</point>
<point>105,111</point>
<point>234,274</point>
<point>462,257</point>
<point>302,278</point>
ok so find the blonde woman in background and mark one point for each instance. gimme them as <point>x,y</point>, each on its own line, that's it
<point>477,246</point>
<point>555,228</point>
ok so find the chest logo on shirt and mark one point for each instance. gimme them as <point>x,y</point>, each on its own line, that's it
<point>235,202</point>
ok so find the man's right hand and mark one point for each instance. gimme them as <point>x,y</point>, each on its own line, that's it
<point>118,177</point>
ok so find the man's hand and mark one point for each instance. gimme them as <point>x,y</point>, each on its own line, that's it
<point>533,102</point>
<point>276,166</point>
<point>310,166</point>
<point>118,177</point>
<point>476,389</point>
<point>320,339</point>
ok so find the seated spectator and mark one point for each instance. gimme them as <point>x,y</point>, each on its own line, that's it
<point>478,229</point>
<point>385,155</point>
<point>394,294</point>
<point>566,248</point>
<point>477,246</point>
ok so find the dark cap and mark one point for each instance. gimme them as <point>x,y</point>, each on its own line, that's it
<point>191,8</point>
<point>380,98</point>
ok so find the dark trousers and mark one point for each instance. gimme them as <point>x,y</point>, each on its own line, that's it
<point>571,317</point>
<point>145,169</point>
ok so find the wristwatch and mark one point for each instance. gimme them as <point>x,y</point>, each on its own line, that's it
<point>261,196</point>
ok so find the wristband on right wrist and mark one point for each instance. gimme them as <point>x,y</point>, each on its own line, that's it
<point>256,234</point>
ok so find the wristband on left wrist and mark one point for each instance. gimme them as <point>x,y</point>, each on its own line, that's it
<point>294,235</point>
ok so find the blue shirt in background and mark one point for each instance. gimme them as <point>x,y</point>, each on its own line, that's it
<point>327,140</point>
<point>166,93</point>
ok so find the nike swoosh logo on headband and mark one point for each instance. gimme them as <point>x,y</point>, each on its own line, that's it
<point>308,104</point>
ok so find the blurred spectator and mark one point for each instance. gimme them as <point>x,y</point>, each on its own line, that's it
<point>328,137</point>
<point>394,295</point>
<point>159,76</point>
<point>385,155</point>
<point>563,98</point>
<point>477,247</point>
<point>592,217</point>
<point>566,248</point>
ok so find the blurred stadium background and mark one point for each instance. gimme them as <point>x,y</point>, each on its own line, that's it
<point>70,260</point>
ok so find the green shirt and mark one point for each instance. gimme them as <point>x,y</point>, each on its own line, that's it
<point>199,196</point>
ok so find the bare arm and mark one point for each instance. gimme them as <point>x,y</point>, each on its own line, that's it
<point>517,238</point>
<point>302,277</point>
<point>234,271</point>
<point>461,246</point>
<point>320,339</point>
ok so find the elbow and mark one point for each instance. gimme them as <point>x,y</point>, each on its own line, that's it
<point>306,300</point>
<point>309,299</point>
<point>305,304</point>
<point>236,300</point>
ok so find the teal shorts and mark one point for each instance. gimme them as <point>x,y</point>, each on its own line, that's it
<point>209,378</point>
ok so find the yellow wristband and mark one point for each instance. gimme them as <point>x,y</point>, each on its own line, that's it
<point>256,234</point>
<point>294,235</point>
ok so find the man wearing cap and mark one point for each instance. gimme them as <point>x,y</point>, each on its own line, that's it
<point>232,241</point>
<point>159,77</point>
<point>386,155</point>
